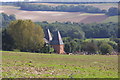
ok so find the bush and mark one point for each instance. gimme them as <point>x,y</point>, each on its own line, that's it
<point>106,48</point>
<point>16,50</point>
<point>113,44</point>
<point>89,47</point>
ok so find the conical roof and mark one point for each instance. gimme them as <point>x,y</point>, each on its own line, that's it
<point>57,40</point>
<point>48,35</point>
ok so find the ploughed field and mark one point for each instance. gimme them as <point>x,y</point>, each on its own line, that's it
<point>53,16</point>
<point>37,65</point>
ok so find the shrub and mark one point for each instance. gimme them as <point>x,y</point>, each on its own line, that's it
<point>89,47</point>
<point>106,48</point>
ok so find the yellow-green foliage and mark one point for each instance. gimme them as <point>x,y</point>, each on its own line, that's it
<point>111,19</point>
<point>98,39</point>
<point>106,48</point>
<point>26,34</point>
<point>34,65</point>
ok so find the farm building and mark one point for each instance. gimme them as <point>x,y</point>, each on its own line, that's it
<point>56,41</point>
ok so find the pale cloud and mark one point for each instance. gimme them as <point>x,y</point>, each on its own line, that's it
<point>64,0</point>
<point>13,0</point>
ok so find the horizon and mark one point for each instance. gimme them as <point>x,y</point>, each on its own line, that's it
<point>61,0</point>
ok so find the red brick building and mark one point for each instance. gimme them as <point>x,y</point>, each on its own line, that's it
<point>56,41</point>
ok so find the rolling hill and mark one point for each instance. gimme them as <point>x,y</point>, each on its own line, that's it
<point>52,16</point>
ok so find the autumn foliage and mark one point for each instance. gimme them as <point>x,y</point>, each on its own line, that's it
<point>27,36</point>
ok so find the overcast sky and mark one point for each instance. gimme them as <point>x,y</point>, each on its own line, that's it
<point>65,0</point>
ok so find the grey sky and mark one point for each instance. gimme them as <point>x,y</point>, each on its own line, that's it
<point>65,0</point>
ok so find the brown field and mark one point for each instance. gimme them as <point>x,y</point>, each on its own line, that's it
<point>96,19</point>
<point>53,16</point>
<point>101,6</point>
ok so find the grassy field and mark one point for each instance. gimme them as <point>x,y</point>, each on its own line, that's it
<point>98,39</point>
<point>35,65</point>
<point>112,19</point>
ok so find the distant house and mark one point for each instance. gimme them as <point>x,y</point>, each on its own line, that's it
<point>56,41</point>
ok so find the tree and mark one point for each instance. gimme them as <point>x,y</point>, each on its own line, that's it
<point>119,47</point>
<point>89,47</point>
<point>27,35</point>
<point>6,19</point>
<point>106,48</point>
<point>113,11</point>
<point>12,17</point>
<point>7,41</point>
<point>47,49</point>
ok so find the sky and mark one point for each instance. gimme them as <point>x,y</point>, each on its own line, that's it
<point>64,0</point>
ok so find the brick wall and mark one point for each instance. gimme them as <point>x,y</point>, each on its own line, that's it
<point>59,49</point>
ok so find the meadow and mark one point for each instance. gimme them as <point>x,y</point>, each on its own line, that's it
<point>38,65</point>
<point>112,19</point>
<point>98,39</point>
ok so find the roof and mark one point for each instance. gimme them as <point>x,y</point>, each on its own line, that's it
<point>48,35</point>
<point>57,40</point>
<point>46,41</point>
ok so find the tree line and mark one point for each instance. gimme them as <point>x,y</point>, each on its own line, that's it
<point>64,8</point>
<point>92,46</point>
<point>24,35</point>
<point>113,11</point>
<point>81,30</point>
<point>72,8</point>
<point>74,30</point>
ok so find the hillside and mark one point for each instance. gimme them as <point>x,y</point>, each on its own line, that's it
<point>31,65</point>
<point>105,6</point>
<point>111,19</point>
<point>52,16</point>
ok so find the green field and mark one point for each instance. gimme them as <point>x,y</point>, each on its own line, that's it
<point>98,39</point>
<point>111,19</point>
<point>35,65</point>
